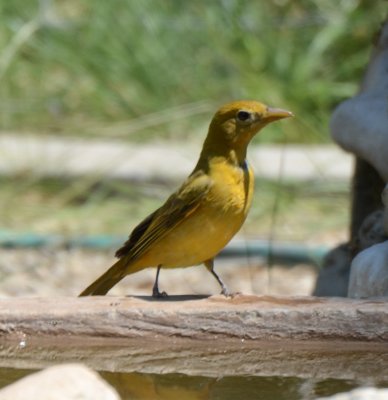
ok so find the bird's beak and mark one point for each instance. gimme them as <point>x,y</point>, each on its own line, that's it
<point>273,114</point>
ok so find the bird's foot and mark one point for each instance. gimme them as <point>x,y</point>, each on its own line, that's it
<point>158,295</point>
<point>227,293</point>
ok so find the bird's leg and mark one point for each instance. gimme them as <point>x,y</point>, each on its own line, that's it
<point>209,264</point>
<point>155,289</point>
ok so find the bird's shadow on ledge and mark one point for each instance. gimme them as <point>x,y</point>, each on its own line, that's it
<point>177,297</point>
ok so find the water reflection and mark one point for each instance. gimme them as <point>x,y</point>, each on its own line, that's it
<point>138,386</point>
<point>177,387</point>
<point>218,369</point>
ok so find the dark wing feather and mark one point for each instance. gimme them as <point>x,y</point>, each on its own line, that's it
<point>175,210</point>
<point>136,234</point>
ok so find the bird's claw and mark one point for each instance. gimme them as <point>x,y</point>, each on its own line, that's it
<point>158,295</point>
<point>227,293</point>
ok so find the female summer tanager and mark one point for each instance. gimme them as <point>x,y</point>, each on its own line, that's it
<point>203,215</point>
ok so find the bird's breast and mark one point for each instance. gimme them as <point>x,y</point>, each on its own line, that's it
<point>232,190</point>
<point>220,215</point>
<point>203,234</point>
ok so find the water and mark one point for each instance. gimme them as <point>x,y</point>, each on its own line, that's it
<point>178,386</point>
<point>186,369</point>
<point>175,386</point>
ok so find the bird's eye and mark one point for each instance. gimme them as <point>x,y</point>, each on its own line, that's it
<point>243,116</point>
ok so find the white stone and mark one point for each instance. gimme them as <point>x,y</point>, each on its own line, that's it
<point>61,382</point>
<point>360,125</point>
<point>360,394</point>
<point>369,272</point>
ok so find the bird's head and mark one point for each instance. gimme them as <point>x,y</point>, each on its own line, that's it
<point>235,124</point>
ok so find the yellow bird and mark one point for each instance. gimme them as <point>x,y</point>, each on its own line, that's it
<point>202,216</point>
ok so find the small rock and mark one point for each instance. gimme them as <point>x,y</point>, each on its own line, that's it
<point>333,278</point>
<point>384,199</point>
<point>61,382</point>
<point>369,273</point>
<point>371,230</point>
<point>360,394</point>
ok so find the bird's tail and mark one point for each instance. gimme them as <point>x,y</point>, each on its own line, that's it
<point>107,280</point>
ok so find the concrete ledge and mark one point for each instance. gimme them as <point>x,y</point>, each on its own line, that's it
<point>197,317</point>
<point>200,336</point>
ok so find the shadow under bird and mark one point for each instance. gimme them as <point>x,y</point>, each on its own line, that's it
<point>201,217</point>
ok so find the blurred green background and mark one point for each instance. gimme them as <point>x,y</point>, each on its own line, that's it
<point>123,68</point>
<point>156,70</point>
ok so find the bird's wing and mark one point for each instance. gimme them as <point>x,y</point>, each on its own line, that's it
<point>179,206</point>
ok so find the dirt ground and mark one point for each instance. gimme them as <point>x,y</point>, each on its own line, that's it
<point>66,272</point>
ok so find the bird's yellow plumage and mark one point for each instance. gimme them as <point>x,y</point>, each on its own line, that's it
<point>203,215</point>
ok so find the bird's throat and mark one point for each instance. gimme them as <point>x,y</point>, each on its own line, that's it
<point>232,157</point>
